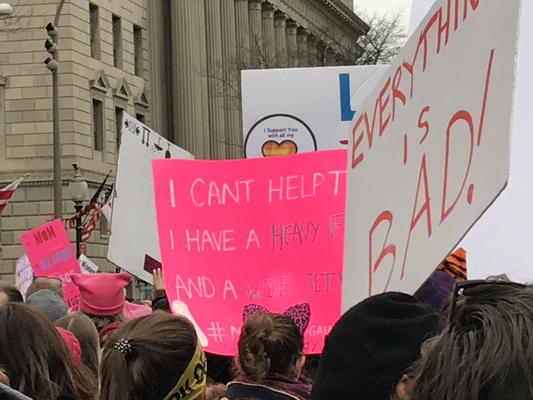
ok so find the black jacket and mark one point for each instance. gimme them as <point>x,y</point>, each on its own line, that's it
<point>248,391</point>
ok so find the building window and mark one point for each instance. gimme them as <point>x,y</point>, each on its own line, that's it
<point>94,22</point>
<point>119,113</point>
<point>98,125</point>
<point>140,117</point>
<point>117,42</point>
<point>138,49</point>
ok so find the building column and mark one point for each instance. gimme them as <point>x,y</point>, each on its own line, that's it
<point>242,33</point>
<point>191,127</point>
<point>303,59</point>
<point>232,115</point>
<point>312,50</point>
<point>157,59</point>
<point>292,44</point>
<point>215,73</point>
<point>256,31</point>
<point>331,57</point>
<point>269,41</point>
<point>280,34</point>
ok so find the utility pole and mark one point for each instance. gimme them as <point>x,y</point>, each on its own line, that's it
<point>52,64</point>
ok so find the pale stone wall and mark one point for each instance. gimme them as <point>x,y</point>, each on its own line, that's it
<point>26,109</point>
<point>188,46</point>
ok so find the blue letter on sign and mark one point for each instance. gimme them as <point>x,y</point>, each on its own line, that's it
<point>346,108</point>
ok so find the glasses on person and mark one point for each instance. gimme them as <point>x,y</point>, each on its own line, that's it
<point>462,288</point>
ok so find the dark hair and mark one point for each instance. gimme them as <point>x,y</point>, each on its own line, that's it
<point>162,345</point>
<point>161,303</point>
<point>50,283</point>
<point>35,357</point>
<point>485,353</point>
<point>85,331</point>
<point>12,293</point>
<point>269,344</point>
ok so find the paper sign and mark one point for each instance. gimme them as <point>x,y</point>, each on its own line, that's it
<point>430,149</point>
<point>133,227</point>
<point>24,275</point>
<point>51,255</point>
<point>504,231</point>
<point>87,266</point>
<point>265,231</point>
<point>302,109</point>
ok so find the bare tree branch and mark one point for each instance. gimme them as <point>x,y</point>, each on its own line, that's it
<point>384,39</point>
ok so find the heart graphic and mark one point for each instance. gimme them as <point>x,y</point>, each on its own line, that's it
<point>273,148</point>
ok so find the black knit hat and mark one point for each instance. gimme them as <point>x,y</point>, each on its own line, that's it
<point>371,346</point>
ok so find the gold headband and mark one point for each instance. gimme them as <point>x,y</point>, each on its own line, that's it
<point>193,381</point>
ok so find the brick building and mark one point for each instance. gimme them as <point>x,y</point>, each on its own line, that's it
<point>171,63</point>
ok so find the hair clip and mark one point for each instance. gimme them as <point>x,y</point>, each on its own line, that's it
<point>123,345</point>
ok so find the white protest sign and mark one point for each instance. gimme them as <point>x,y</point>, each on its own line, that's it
<point>23,274</point>
<point>134,236</point>
<point>87,266</point>
<point>430,148</point>
<point>287,111</point>
<point>496,243</point>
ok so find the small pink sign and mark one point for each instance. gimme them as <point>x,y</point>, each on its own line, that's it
<point>51,255</point>
<point>265,231</point>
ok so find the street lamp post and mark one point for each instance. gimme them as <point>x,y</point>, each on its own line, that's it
<point>79,191</point>
<point>51,64</point>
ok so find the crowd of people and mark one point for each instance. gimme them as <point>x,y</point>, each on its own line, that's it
<point>453,340</point>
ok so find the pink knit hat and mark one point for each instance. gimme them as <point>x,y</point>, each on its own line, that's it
<point>101,294</point>
<point>72,344</point>
<point>133,311</point>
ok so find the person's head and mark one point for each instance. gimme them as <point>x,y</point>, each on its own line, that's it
<point>152,358</point>
<point>49,303</point>
<point>85,331</point>
<point>371,346</point>
<point>270,344</point>
<point>9,294</point>
<point>101,294</point>
<point>102,299</point>
<point>486,352</point>
<point>50,283</point>
<point>34,357</point>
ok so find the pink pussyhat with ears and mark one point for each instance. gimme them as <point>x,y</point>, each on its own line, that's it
<point>101,294</point>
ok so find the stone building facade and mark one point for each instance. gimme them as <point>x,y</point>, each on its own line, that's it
<point>174,64</point>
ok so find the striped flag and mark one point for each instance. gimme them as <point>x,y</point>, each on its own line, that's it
<point>7,193</point>
<point>96,213</point>
<point>70,223</point>
<point>107,209</point>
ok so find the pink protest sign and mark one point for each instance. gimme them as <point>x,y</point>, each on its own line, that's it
<point>51,255</point>
<point>264,231</point>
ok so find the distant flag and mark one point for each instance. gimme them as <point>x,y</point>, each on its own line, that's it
<point>107,208</point>
<point>7,192</point>
<point>70,223</point>
<point>95,213</point>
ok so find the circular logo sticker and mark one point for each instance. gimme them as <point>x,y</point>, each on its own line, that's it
<point>279,135</point>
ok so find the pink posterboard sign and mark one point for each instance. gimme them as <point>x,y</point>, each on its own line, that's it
<point>51,255</point>
<point>265,231</point>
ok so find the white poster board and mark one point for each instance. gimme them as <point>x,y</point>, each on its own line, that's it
<point>430,150</point>
<point>296,110</point>
<point>496,244</point>
<point>23,274</point>
<point>133,227</point>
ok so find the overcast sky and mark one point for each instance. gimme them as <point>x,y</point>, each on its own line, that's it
<point>383,6</point>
